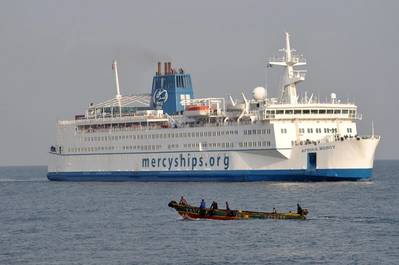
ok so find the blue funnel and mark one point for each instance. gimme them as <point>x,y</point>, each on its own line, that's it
<point>170,89</point>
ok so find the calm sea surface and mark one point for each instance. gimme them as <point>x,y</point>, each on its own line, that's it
<point>43,222</point>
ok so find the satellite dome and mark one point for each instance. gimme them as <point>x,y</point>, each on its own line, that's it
<point>259,93</point>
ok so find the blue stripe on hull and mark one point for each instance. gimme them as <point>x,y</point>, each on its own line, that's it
<point>230,175</point>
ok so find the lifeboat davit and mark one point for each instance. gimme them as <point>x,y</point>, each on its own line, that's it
<point>197,110</point>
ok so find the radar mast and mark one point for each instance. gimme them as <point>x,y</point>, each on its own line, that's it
<point>291,76</point>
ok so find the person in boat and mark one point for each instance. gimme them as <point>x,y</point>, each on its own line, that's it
<point>274,210</point>
<point>183,201</point>
<point>202,205</point>
<point>299,209</point>
<point>227,206</point>
<point>214,205</point>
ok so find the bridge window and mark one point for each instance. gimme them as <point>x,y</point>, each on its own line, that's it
<point>306,111</point>
<point>322,111</point>
<point>337,111</point>
<point>288,111</point>
<point>279,111</point>
<point>330,111</point>
<point>314,111</point>
<point>344,111</point>
<point>297,111</point>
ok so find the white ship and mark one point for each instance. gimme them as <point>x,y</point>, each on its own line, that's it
<point>170,135</point>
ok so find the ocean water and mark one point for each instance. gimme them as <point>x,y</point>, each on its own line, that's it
<point>43,222</point>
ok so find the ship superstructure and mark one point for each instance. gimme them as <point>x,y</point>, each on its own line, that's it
<point>169,135</point>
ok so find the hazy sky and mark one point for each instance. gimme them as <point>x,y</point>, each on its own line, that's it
<point>55,57</point>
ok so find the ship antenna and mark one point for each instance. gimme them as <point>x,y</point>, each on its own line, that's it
<point>291,77</point>
<point>115,68</point>
<point>372,128</point>
<point>118,92</point>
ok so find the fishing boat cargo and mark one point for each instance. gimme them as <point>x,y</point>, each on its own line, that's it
<point>171,135</point>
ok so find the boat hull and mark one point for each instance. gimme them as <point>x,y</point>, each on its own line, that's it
<point>343,160</point>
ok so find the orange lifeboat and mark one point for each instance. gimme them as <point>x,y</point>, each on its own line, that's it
<point>197,110</point>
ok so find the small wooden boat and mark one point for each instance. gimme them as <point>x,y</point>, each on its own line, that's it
<point>192,212</point>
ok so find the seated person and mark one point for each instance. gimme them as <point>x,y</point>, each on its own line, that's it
<point>183,201</point>
<point>299,209</point>
<point>202,205</point>
<point>214,205</point>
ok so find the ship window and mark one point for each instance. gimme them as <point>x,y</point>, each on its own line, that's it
<point>306,111</point>
<point>337,111</point>
<point>297,111</point>
<point>288,111</point>
<point>249,132</point>
<point>322,111</point>
<point>253,131</point>
<point>279,111</point>
<point>313,111</point>
<point>245,132</point>
<point>329,111</point>
<point>344,111</point>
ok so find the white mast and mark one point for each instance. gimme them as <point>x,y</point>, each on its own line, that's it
<point>291,76</point>
<point>118,92</point>
<point>372,129</point>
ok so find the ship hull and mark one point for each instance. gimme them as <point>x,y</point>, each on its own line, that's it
<point>336,161</point>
